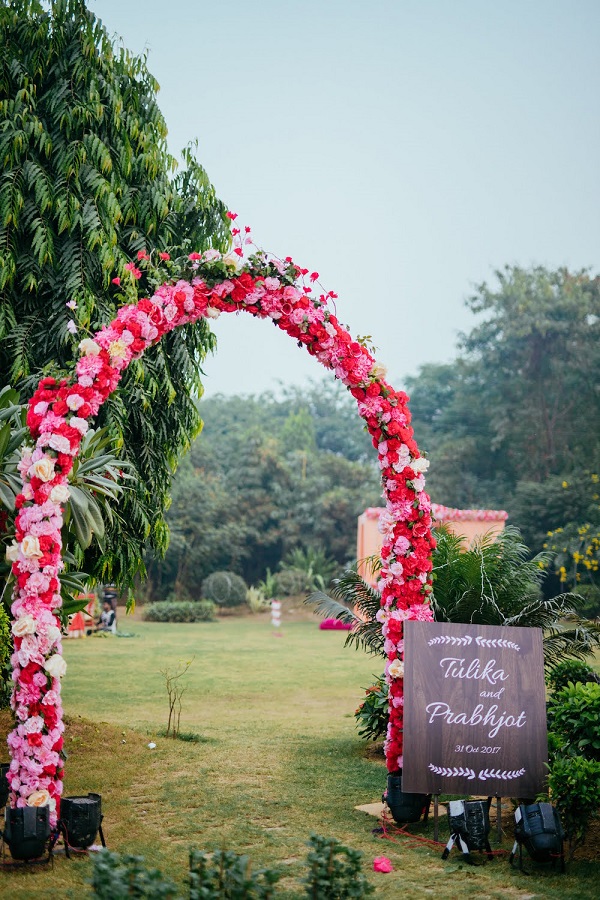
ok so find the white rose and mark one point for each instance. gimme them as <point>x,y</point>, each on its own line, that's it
<point>80,424</point>
<point>44,468</point>
<point>233,261</point>
<point>53,634</point>
<point>419,465</point>
<point>30,547</point>
<point>59,493</point>
<point>55,666</point>
<point>12,552</point>
<point>22,626</point>
<point>89,347</point>
<point>59,443</point>
<point>378,371</point>
<point>396,669</point>
<point>38,798</point>
<point>212,312</point>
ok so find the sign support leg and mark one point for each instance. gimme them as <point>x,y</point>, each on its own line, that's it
<point>436,821</point>
<point>498,820</point>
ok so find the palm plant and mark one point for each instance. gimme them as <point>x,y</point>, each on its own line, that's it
<point>494,582</point>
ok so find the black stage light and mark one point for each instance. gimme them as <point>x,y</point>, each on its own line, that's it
<point>469,822</point>
<point>81,819</point>
<point>26,831</point>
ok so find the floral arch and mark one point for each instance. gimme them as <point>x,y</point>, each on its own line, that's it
<point>207,285</point>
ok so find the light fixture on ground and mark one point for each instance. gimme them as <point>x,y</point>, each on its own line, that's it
<point>81,820</point>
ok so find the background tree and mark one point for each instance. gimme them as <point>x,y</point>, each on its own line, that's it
<point>87,182</point>
<point>262,482</point>
<point>514,418</point>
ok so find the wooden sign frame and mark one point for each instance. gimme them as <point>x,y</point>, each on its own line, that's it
<point>474,710</point>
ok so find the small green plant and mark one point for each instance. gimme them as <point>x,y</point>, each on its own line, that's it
<point>119,877</point>
<point>574,784</point>
<point>223,875</point>
<point>268,585</point>
<point>574,720</point>
<point>202,611</point>
<point>335,871</point>
<point>570,670</point>
<point>315,564</point>
<point>256,600</point>
<point>372,715</point>
<point>175,691</point>
<point>225,589</point>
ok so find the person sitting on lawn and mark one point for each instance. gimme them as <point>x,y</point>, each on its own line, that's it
<point>108,618</point>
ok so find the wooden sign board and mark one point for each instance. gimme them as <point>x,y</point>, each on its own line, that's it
<point>474,710</point>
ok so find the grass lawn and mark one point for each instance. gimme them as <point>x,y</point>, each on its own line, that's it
<point>279,757</point>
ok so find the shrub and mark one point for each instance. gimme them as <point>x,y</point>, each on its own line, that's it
<point>574,720</point>
<point>574,784</point>
<point>225,589</point>
<point>268,585</point>
<point>372,715</point>
<point>571,670</point>
<point>117,877</point>
<point>184,611</point>
<point>256,600</point>
<point>334,871</point>
<point>334,874</point>
<point>291,582</point>
<point>224,874</point>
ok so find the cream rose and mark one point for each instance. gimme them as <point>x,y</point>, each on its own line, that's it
<point>118,349</point>
<point>396,669</point>
<point>55,666</point>
<point>30,547</point>
<point>233,261</point>
<point>38,798</point>
<point>23,625</point>
<point>44,468</point>
<point>378,371</point>
<point>59,493</point>
<point>88,347</point>
<point>212,312</point>
<point>419,465</point>
<point>12,552</point>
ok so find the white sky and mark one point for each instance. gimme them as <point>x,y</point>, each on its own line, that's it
<point>403,148</point>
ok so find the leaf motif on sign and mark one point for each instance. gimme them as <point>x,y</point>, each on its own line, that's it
<point>449,639</point>
<point>504,775</point>
<point>496,642</point>
<point>452,772</point>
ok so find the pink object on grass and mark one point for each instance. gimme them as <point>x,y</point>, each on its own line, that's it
<point>382,864</point>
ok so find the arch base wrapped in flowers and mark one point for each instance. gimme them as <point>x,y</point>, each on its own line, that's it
<point>206,285</point>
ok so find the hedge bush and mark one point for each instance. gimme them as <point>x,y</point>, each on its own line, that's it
<point>182,611</point>
<point>225,589</point>
<point>291,582</point>
<point>574,784</point>
<point>570,670</point>
<point>574,718</point>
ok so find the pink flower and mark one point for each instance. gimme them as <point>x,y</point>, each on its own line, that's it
<point>116,281</point>
<point>131,267</point>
